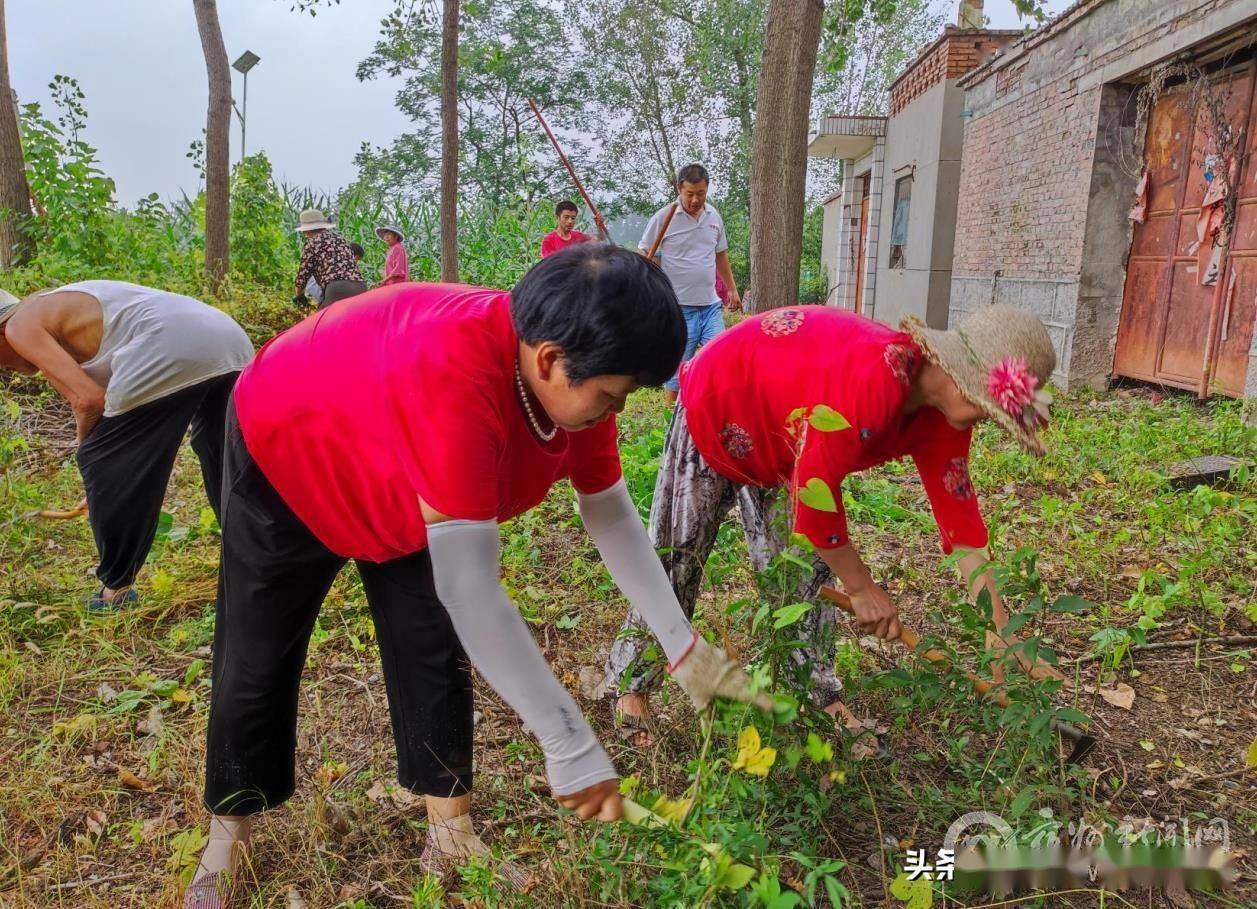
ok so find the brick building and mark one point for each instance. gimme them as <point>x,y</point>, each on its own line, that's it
<point>1055,146</point>
<point>1056,132</point>
<point>887,239</point>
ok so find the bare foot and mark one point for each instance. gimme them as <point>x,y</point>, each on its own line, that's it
<point>633,719</point>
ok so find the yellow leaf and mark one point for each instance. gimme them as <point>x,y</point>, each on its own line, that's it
<point>181,696</point>
<point>83,724</point>
<point>1100,478</point>
<point>752,757</point>
<point>672,810</point>
<point>918,894</point>
<point>1250,759</point>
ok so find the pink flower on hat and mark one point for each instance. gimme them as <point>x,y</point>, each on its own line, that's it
<point>1015,389</point>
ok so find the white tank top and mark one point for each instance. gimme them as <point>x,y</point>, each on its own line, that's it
<point>156,343</point>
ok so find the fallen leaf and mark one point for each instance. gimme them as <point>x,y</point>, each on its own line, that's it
<point>95,822</point>
<point>1147,745</point>
<point>1122,695</point>
<point>294,900</point>
<point>1250,759</point>
<point>130,781</point>
<point>591,681</point>
<point>384,794</point>
<point>1132,572</point>
<point>151,724</point>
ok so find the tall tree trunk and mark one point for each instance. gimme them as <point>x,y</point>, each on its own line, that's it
<point>217,142</point>
<point>779,151</point>
<point>449,142</point>
<point>15,194</point>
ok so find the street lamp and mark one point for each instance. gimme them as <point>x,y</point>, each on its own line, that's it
<point>243,64</point>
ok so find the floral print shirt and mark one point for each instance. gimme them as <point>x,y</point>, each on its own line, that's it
<point>803,396</point>
<point>327,257</point>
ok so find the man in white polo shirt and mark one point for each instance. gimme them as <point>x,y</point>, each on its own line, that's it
<point>693,252</point>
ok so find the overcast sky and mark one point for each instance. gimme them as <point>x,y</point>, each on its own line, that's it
<point>140,64</point>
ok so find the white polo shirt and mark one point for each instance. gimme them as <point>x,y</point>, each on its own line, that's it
<point>688,252</point>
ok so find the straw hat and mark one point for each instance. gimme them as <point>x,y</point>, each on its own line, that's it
<point>313,219</point>
<point>1000,358</point>
<point>393,228</point>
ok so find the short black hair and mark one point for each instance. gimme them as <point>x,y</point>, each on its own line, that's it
<point>692,173</point>
<point>566,205</point>
<point>357,250</point>
<point>610,310</point>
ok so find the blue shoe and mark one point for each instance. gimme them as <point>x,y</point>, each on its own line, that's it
<point>98,605</point>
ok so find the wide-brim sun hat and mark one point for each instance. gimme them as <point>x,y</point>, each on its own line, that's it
<point>393,228</point>
<point>312,219</point>
<point>1001,359</point>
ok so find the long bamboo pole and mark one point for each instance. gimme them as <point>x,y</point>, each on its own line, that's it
<point>603,233</point>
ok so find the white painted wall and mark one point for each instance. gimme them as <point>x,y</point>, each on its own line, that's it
<point>923,140</point>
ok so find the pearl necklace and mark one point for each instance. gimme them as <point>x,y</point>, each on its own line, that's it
<point>532,417</point>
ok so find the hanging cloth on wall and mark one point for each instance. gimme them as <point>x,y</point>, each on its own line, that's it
<point>1139,213</point>
<point>1211,236</point>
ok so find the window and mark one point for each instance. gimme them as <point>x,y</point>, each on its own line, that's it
<point>899,223</point>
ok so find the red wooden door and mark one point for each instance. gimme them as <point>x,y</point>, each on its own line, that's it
<point>1163,331</point>
<point>861,246</point>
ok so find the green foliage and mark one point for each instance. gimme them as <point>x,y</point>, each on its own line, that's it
<point>509,51</point>
<point>260,247</point>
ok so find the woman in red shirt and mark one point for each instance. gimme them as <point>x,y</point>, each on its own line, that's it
<point>798,399</point>
<point>397,429</point>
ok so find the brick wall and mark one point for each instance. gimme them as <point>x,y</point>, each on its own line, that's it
<point>955,53</point>
<point>1036,133</point>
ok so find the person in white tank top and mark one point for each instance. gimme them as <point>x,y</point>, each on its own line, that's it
<point>139,367</point>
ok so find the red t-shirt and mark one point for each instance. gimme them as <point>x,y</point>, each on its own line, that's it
<point>552,242</point>
<point>751,402</point>
<point>404,392</point>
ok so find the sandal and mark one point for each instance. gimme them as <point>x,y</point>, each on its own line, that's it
<point>213,891</point>
<point>98,605</point>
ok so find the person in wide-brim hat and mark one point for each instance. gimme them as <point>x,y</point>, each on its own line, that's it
<point>1000,358</point>
<point>778,411</point>
<point>326,257</point>
<point>396,264</point>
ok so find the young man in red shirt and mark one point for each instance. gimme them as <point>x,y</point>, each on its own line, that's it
<point>565,234</point>
<point>831,393</point>
<point>397,429</point>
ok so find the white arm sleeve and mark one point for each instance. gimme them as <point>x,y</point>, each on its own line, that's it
<point>465,558</point>
<point>612,521</point>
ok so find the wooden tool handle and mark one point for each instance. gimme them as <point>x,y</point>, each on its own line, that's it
<point>663,229</point>
<point>912,640</point>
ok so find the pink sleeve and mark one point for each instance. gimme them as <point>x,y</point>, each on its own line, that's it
<point>396,266</point>
<point>547,245</point>
<point>594,458</point>
<point>941,454</point>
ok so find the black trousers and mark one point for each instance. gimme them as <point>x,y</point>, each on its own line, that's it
<point>273,579</point>
<point>340,290</point>
<point>126,462</point>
